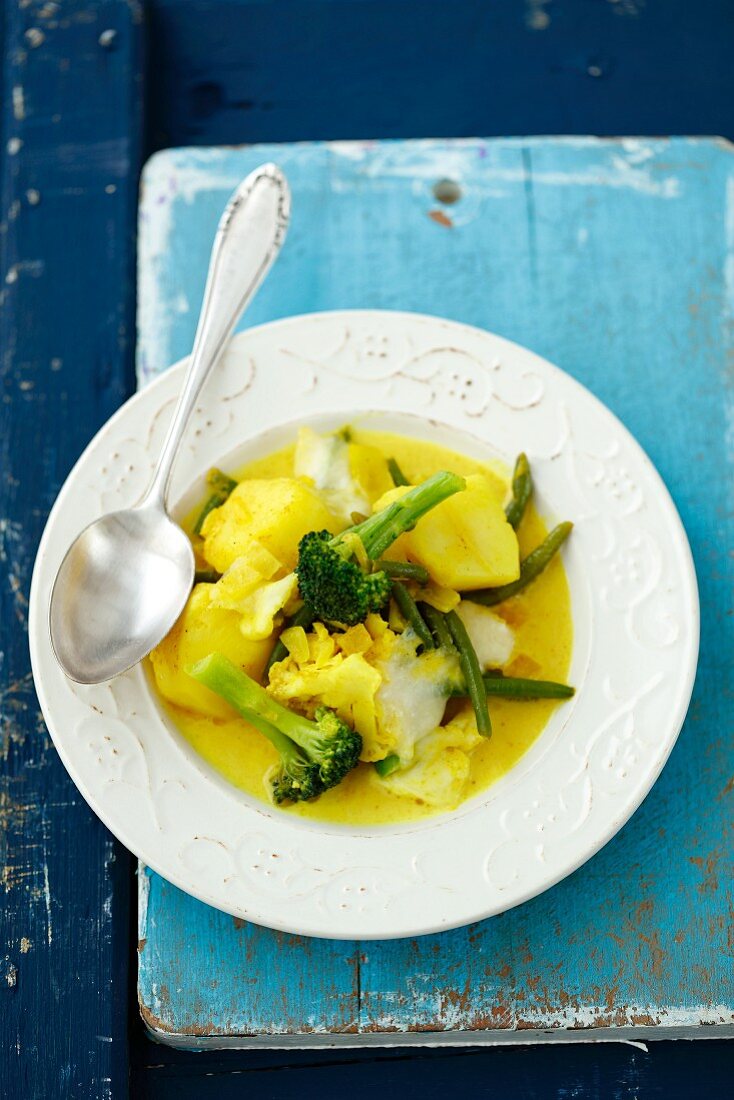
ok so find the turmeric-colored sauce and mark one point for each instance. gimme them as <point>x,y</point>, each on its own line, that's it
<point>540,617</point>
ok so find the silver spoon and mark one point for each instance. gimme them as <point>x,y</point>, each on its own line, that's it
<point>125,580</point>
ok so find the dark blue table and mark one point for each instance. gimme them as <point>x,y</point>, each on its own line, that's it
<point>88,88</point>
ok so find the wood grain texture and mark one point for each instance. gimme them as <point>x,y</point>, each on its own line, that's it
<point>232,71</point>
<point>600,1071</point>
<point>71,140</point>
<point>326,971</point>
<point>615,260</point>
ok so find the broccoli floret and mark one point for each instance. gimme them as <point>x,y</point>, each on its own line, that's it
<point>337,587</point>
<point>296,778</point>
<point>315,755</point>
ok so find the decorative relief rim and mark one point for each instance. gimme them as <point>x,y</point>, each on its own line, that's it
<point>532,829</point>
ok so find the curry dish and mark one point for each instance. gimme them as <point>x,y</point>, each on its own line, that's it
<point>379,630</point>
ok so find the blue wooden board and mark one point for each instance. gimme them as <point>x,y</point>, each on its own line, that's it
<point>615,260</point>
<point>71,142</point>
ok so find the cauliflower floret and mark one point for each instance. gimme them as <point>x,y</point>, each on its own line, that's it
<point>321,644</point>
<point>357,639</point>
<point>441,765</point>
<point>263,606</point>
<point>247,588</point>
<point>412,696</point>
<point>383,639</point>
<point>345,682</point>
<point>492,638</point>
<point>295,640</point>
<point>372,678</point>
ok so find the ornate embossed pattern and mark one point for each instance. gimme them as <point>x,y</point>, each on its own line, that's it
<point>635,616</point>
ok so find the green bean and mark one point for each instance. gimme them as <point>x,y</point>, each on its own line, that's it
<point>522,490</point>
<point>515,687</point>
<point>387,766</point>
<point>437,624</point>
<point>409,610</point>
<point>206,576</point>
<point>518,688</point>
<point>405,570</point>
<point>303,617</point>
<point>532,566</point>
<point>221,486</point>
<point>396,473</point>
<point>472,673</point>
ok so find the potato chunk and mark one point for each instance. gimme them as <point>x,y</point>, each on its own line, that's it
<point>204,628</point>
<point>465,542</point>
<point>274,512</point>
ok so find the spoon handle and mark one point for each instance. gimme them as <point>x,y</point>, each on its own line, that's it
<point>248,239</point>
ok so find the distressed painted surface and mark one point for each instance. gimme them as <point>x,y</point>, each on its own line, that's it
<point>70,137</point>
<point>226,71</point>
<point>269,988</point>
<point>615,260</point>
<point>602,1071</point>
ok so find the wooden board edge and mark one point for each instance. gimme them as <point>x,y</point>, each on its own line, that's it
<point>530,1037</point>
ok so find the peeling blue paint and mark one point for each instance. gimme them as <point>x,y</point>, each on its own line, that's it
<point>612,259</point>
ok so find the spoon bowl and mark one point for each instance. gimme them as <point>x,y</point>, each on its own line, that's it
<point>126,578</point>
<point>121,587</point>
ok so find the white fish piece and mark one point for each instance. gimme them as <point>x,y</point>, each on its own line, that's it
<point>492,638</point>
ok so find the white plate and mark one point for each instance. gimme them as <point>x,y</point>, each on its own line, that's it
<point>635,610</point>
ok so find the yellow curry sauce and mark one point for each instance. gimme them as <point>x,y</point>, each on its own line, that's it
<point>540,617</point>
